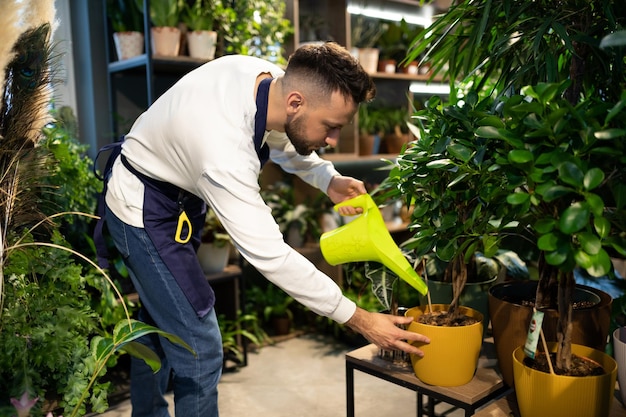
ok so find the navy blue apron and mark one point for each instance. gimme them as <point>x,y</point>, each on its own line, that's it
<point>165,205</point>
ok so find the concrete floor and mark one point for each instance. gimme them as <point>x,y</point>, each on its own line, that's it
<point>304,377</point>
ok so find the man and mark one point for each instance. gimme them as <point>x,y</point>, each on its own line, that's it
<point>204,141</point>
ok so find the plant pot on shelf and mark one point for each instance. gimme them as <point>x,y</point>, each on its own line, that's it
<point>202,44</point>
<point>165,41</point>
<point>128,44</point>
<point>213,258</point>
<point>395,141</point>
<point>511,314</point>
<point>474,295</point>
<point>544,394</point>
<point>412,68</point>
<point>387,66</point>
<point>368,57</point>
<point>619,352</point>
<point>369,144</point>
<point>451,357</point>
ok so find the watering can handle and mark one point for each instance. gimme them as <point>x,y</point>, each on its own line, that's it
<point>363,201</point>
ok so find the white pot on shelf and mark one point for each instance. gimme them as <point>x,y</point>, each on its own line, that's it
<point>213,258</point>
<point>128,44</point>
<point>202,44</point>
<point>368,57</point>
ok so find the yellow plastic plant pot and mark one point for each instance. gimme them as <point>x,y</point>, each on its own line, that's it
<point>451,357</point>
<point>544,394</point>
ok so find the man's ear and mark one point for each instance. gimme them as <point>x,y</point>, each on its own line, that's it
<point>295,100</point>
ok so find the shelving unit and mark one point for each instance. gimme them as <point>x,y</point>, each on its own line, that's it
<point>135,83</point>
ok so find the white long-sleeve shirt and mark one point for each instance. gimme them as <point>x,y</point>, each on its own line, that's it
<point>199,136</point>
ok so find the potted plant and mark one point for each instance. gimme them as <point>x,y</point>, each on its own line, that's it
<point>298,221</point>
<point>127,22</point>
<point>372,124</point>
<point>199,17</point>
<point>214,250</point>
<point>165,17</point>
<point>365,35</point>
<point>570,160</point>
<point>503,48</point>
<point>394,44</point>
<point>277,311</point>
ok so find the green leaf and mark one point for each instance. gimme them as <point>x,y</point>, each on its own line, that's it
<point>600,264</point>
<point>440,163</point>
<point>619,106</point>
<point>520,156</point>
<point>610,133</point>
<point>460,152</point>
<point>446,253</point>
<point>571,174</point>
<point>457,179</point>
<point>556,257</point>
<point>492,121</point>
<point>491,132</point>
<point>551,193</point>
<point>548,242</point>
<point>544,226</point>
<point>590,243</point>
<point>143,352</point>
<point>517,198</point>
<point>593,178</point>
<point>595,203</point>
<point>602,226</point>
<point>583,259</point>
<point>574,218</point>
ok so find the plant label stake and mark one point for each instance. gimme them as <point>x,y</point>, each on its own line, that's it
<point>530,347</point>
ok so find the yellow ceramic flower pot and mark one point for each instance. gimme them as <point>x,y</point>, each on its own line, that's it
<point>543,394</point>
<point>451,357</point>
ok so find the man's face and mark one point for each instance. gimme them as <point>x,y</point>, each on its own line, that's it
<point>316,127</point>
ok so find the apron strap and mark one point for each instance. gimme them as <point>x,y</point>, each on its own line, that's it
<point>260,120</point>
<point>102,252</point>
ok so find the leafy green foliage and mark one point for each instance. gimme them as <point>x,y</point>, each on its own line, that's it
<point>456,189</point>
<point>125,15</point>
<point>245,326</point>
<point>71,185</point>
<point>572,162</point>
<point>254,27</point>
<point>523,43</point>
<point>46,318</point>
<point>165,13</point>
<point>198,14</point>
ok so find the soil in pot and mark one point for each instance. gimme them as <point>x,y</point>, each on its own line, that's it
<point>580,366</point>
<point>444,318</point>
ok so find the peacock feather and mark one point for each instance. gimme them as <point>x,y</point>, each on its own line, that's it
<point>25,93</point>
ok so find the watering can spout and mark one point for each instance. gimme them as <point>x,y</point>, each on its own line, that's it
<point>366,238</point>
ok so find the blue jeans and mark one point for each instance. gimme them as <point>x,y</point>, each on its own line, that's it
<point>194,379</point>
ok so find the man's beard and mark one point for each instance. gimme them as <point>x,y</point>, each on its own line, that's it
<point>294,129</point>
